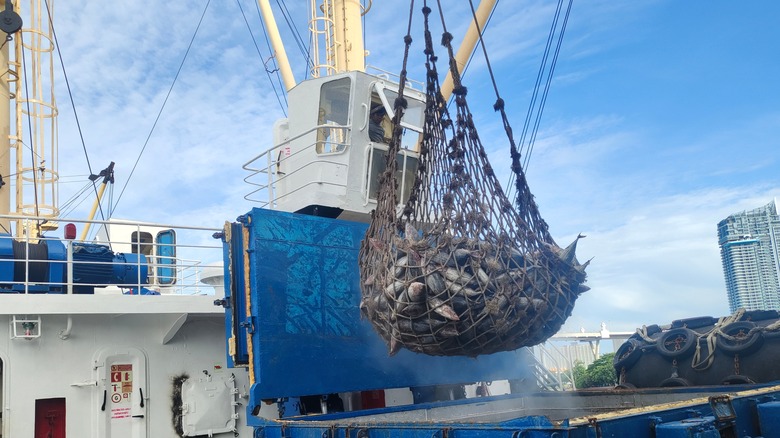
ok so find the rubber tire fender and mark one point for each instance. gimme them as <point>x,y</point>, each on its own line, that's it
<point>627,354</point>
<point>748,346</point>
<point>694,323</point>
<point>674,382</point>
<point>737,379</point>
<point>677,343</point>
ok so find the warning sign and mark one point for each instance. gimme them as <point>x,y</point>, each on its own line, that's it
<point>121,387</point>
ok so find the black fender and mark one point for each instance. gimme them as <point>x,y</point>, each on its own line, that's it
<point>694,323</point>
<point>748,340</point>
<point>677,343</point>
<point>737,379</point>
<point>627,355</point>
<point>674,382</point>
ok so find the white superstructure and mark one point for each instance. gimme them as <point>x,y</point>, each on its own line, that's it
<point>118,364</point>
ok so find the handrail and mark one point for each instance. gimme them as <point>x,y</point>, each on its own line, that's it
<point>542,349</point>
<point>287,141</point>
<point>181,274</point>
<point>395,77</point>
<point>278,179</point>
<point>271,162</point>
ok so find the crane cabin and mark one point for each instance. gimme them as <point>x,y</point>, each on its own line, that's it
<point>324,160</point>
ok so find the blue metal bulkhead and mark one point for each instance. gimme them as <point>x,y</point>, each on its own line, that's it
<point>306,330</point>
<point>769,418</point>
<point>689,428</point>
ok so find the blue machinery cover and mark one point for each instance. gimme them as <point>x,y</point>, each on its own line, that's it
<point>303,333</point>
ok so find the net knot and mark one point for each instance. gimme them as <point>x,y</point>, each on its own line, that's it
<point>446,39</point>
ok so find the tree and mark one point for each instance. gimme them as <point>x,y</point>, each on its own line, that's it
<point>599,373</point>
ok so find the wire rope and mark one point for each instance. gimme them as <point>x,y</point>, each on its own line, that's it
<point>295,32</point>
<point>159,114</point>
<point>535,113</point>
<point>257,48</point>
<point>471,58</point>
<point>72,104</point>
<point>535,130</point>
<point>273,57</point>
<point>76,200</point>
<point>540,76</point>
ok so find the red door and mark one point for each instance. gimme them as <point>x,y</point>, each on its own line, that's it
<point>50,418</point>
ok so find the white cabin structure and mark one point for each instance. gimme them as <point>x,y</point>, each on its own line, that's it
<point>323,161</point>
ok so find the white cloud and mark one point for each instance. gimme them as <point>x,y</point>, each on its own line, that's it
<point>662,261</point>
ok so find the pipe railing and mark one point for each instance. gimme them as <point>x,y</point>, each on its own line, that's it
<point>32,273</point>
<point>274,159</point>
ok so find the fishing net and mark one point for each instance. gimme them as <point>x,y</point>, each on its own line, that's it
<point>460,270</point>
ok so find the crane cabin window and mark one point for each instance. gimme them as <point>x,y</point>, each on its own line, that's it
<point>405,172</point>
<point>407,158</point>
<point>412,121</point>
<point>333,116</point>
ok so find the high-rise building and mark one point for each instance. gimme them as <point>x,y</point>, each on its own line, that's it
<point>750,251</point>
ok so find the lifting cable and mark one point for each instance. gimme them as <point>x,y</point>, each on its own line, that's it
<point>73,106</point>
<point>296,35</point>
<point>157,119</point>
<point>528,150</point>
<point>471,58</point>
<point>68,206</point>
<point>517,171</point>
<point>74,199</point>
<point>553,63</point>
<point>265,67</point>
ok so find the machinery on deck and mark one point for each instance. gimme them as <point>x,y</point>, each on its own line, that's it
<point>43,267</point>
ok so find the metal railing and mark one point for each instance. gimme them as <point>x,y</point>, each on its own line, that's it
<point>270,174</point>
<point>110,262</point>
<point>549,370</point>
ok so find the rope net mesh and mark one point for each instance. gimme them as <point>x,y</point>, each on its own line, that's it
<point>460,270</point>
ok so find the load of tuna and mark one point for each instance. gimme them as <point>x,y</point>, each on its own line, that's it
<point>445,295</point>
<point>456,267</point>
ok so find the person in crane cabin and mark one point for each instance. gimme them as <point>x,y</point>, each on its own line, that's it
<point>376,132</point>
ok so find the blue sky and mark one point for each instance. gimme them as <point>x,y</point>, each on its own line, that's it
<point>662,119</point>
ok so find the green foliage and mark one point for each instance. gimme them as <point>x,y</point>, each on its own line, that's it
<point>599,373</point>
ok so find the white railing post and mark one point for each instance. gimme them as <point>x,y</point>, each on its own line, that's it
<point>27,260</point>
<point>270,188</point>
<point>69,266</point>
<point>138,258</point>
